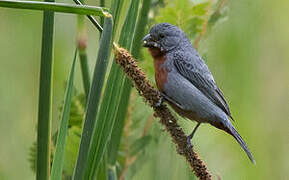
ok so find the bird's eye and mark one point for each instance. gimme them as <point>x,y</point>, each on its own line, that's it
<point>162,35</point>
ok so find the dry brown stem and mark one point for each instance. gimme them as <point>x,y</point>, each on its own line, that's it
<point>152,97</point>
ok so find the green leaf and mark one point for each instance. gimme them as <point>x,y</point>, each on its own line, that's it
<point>104,125</point>
<point>77,110</point>
<point>116,7</point>
<point>185,14</point>
<point>106,116</point>
<point>200,9</point>
<point>135,48</point>
<point>45,98</point>
<point>57,166</point>
<point>71,150</point>
<point>140,28</point>
<point>125,41</point>
<point>93,99</point>
<point>102,171</point>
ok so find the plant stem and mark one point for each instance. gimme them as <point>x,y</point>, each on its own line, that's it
<point>82,43</point>
<point>91,18</point>
<point>45,98</point>
<point>56,7</point>
<point>85,72</point>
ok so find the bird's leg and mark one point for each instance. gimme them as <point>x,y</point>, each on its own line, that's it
<point>190,137</point>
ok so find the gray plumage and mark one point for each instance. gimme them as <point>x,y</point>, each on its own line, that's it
<point>190,87</point>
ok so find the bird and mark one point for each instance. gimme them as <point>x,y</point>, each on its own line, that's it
<point>186,83</point>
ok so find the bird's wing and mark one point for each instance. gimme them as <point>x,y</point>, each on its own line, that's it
<point>196,71</point>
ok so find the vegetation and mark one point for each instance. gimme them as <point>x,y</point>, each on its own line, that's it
<point>100,128</point>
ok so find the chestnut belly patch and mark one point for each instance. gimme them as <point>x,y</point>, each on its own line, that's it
<point>161,77</point>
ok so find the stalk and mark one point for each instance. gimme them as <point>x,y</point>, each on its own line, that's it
<point>56,7</point>
<point>82,43</point>
<point>45,98</point>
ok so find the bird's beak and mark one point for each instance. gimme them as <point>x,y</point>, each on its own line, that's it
<point>149,42</point>
<point>146,40</point>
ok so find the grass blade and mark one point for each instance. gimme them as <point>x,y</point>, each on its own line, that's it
<point>107,112</point>
<point>125,40</point>
<point>123,103</point>
<point>102,171</point>
<point>104,125</point>
<point>94,98</point>
<point>57,166</point>
<point>56,7</point>
<point>45,98</point>
<point>102,4</point>
<point>140,28</point>
<point>116,7</point>
<point>84,71</point>
<point>118,127</point>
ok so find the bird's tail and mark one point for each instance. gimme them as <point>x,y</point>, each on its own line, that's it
<point>231,130</point>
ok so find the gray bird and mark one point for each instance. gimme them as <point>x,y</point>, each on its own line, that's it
<point>186,82</point>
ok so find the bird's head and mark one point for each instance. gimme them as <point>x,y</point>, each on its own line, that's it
<point>164,37</point>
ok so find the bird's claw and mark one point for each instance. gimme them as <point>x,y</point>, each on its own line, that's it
<point>189,144</point>
<point>159,103</point>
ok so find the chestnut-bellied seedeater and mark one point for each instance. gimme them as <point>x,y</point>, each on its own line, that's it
<point>186,82</point>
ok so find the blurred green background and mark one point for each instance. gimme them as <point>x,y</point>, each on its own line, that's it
<point>247,53</point>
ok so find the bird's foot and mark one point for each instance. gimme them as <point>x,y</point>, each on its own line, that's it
<point>190,137</point>
<point>189,144</point>
<point>159,103</point>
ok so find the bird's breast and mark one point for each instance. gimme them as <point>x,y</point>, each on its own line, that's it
<point>161,72</point>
